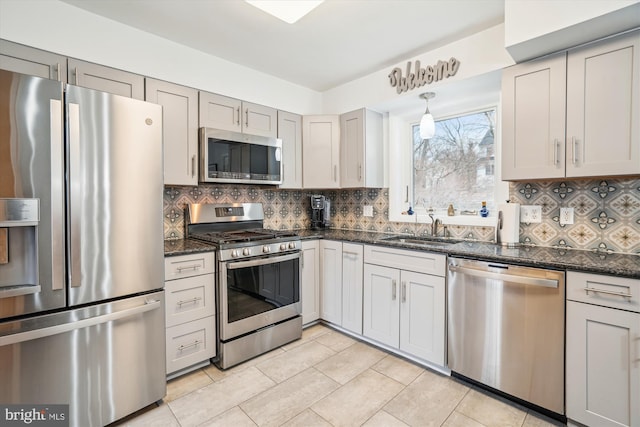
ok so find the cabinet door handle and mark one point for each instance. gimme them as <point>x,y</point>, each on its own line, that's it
<point>556,147</point>
<point>194,267</point>
<point>393,290</point>
<point>625,295</point>
<point>75,71</point>
<point>193,166</point>
<point>246,116</point>
<point>238,119</point>
<point>359,172</point>
<point>404,291</point>
<point>58,71</point>
<point>188,301</point>
<point>193,344</point>
<point>574,150</point>
<point>335,173</point>
<point>406,198</point>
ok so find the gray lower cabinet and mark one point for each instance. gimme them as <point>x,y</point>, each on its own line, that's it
<point>190,312</point>
<point>310,286</point>
<point>603,350</point>
<point>35,62</point>
<point>179,129</point>
<point>105,79</point>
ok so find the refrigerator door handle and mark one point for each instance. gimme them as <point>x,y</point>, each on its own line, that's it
<point>57,197</point>
<point>75,192</point>
<point>74,325</point>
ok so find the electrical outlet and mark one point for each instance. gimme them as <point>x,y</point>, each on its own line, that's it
<point>531,214</point>
<point>367,210</point>
<point>566,216</point>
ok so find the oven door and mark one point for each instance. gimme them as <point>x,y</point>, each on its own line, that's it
<point>258,292</point>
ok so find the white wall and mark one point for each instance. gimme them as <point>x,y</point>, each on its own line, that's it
<point>478,54</point>
<point>534,28</point>
<point>61,28</point>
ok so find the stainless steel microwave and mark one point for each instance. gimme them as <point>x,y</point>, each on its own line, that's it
<point>234,157</point>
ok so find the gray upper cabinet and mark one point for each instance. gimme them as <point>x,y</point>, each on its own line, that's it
<point>105,79</point>
<point>290,132</point>
<point>321,153</point>
<point>533,112</point>
<point>603,108</point>
<point>223,112</point>
<point>35,62</point>
<point>361,159</point>
<point>574,114</point>
<point>179,128</point>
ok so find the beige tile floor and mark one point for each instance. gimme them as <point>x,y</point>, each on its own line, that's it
<point>328,379</point>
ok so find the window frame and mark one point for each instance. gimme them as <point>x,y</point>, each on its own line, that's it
<point>401,184</point>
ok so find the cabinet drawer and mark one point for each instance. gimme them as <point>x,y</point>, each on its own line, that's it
<point>421,262</point>
<point>607,291</point>
<point>189,299</point>
<point>177,267</point>
<point>190,343</point>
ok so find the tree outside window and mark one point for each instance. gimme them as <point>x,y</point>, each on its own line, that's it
<point>457,165</point>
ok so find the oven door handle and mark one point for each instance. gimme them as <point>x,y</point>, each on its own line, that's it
<point>262,261</point>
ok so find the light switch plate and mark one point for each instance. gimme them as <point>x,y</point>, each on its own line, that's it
<point>367,210</point>
<point>531,214</point>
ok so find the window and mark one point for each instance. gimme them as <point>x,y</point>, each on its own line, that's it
<point>457,165</point>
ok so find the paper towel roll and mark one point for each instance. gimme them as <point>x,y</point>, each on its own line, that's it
<point>509,225</point>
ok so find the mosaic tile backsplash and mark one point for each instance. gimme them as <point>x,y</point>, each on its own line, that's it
<point>606,212</point>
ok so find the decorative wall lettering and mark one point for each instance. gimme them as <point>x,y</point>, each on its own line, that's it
<point>422,76</point>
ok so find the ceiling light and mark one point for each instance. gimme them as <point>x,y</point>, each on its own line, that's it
<point>287,10</point>
<point>427,125</point>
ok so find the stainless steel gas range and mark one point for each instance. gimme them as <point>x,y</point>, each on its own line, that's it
<point>258,279</point>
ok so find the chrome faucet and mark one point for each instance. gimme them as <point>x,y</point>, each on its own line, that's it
<point>434,225</point>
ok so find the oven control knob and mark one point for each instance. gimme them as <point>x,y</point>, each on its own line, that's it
<point>234,253</point>
<point>292,245</point>
<point>266,249</point>
<point>246,252</point>
<point>283,247</point>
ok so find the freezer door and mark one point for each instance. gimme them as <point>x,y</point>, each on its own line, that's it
<point>32,274</point>
<point>115,196</point>
<point>105,361</point>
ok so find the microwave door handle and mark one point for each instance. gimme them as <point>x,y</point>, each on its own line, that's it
<point>261,261</point>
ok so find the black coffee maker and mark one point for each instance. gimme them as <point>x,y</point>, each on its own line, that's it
<point>320,212</point>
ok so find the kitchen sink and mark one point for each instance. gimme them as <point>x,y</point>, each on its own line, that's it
<point>420,241</point>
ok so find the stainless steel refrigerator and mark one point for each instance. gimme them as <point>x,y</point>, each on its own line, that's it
<point>81,250</point>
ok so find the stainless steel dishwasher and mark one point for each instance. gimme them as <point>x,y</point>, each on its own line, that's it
<point>506,330</point>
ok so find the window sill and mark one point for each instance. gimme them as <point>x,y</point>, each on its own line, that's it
<point>468,220</point>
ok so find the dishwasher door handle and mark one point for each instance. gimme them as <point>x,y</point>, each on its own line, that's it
<point>548,283</point>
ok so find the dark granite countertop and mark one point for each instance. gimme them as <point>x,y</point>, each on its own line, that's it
<point>176,247</point>
<point>617,264</point>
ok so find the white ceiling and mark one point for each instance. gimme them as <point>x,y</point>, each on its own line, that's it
<point>337,42</point>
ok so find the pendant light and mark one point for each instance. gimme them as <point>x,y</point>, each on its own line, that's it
<point>427,125</point>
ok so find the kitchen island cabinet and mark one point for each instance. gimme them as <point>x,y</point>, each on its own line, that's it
<point>105,79</point>
<point>34,62</point>
<point>595,90</point>
<point>603,350</point>
<point>179,130</point>
<point>225,113</point>
<point>404,301</point>
<point>190,312</point>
